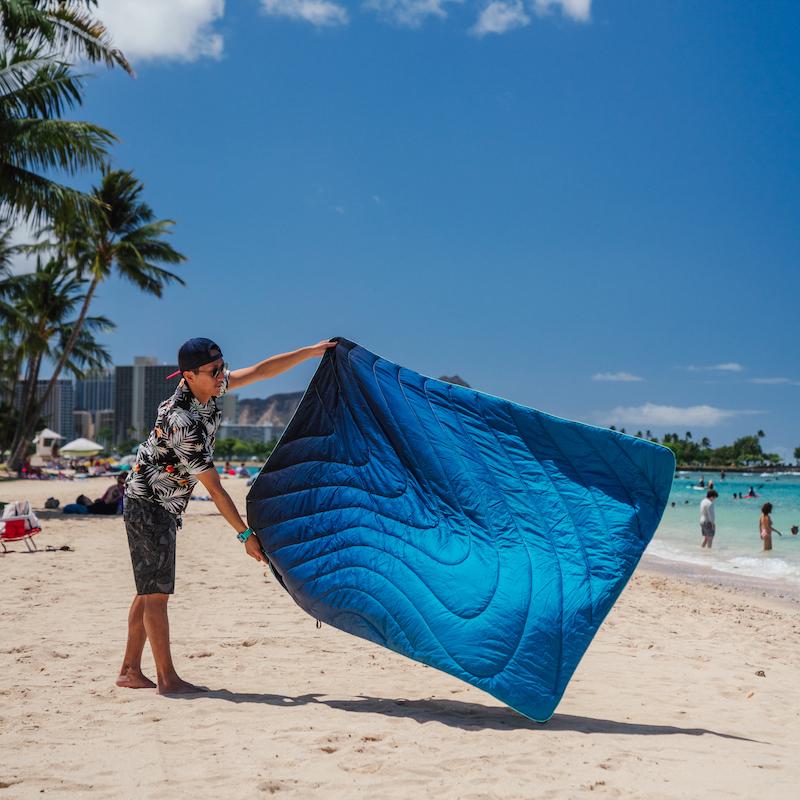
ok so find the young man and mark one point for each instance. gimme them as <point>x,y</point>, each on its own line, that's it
<point>178,453</point>
<point>708,526</point>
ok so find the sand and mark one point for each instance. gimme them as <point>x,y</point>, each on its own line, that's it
<point>669,701</point>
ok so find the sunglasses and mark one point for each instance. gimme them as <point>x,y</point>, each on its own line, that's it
<point>215,372</point>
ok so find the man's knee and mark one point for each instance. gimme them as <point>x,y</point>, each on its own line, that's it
<point>155,600</point>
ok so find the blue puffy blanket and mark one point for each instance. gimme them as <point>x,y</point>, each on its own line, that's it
<point>475,535</point>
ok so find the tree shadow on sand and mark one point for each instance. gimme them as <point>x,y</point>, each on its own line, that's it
<point>458,714</point>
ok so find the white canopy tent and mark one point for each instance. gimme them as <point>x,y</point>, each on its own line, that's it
<point>81,447</point>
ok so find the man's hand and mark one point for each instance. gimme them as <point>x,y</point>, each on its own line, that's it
<point>253,548</point>
<point>318,349</point>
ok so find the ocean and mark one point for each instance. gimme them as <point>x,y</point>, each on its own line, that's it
<point>737,546</point>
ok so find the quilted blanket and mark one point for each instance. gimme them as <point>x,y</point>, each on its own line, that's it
<point>478,536</point>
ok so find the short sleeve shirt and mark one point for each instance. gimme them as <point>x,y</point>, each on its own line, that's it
<point>180,446</point>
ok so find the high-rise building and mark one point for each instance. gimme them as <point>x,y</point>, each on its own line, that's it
<point>83,424</point>
<point>104,426</point>
<point>95,392</point>
<point>57,411</point>
<point>138,390</point>
<point>229,405</point>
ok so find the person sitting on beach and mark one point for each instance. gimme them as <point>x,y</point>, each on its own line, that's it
<point>109,502</point>
<point>242,471</point>
<point>765,525</point>
<point>176,455</point>
<point>708,526</point>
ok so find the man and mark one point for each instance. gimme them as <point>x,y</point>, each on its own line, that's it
<point>178,453</point>
<point>708,526</point>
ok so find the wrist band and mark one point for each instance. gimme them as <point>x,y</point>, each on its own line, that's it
<point>245,535</point>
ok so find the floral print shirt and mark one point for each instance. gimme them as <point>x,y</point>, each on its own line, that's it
<point>180,446</point>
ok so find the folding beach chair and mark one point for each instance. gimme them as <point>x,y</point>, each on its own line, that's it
<point>19,523</point>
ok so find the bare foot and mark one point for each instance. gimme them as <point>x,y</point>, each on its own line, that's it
<point>134,680</point>
<point>180,687</point>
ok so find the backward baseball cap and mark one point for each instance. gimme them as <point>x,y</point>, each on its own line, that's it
<point>196,353</point>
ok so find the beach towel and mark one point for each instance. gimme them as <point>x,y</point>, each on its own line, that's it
<point>475,535</point>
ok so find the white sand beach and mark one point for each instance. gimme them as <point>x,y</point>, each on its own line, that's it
<point>667,703</point>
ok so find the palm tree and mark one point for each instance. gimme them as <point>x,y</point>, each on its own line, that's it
<point>7,250</point>
<point>121,235</point>
<point>36,308</point>
<point>760,434</point>
<point>705,442</point>
<point>688,436</point>
<point>34,91</point>
<point>64,26</point>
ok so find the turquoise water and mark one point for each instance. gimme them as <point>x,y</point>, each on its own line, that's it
<point>737,545</point>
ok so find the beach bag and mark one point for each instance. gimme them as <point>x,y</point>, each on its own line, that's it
<point>51,502</point>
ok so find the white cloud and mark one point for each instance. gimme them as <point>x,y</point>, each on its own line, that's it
<point>168,29</point>
<point>775,381</point>
<point>620,377</point>
<point>320,13</point>
<point>500,17</point>
<point>22,233</point>
<point>653,415</point>
<point>729,366</point>
<point>579,10</point>
<point>410,13</point>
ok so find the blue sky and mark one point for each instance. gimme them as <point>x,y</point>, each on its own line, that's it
<point>588,206</point>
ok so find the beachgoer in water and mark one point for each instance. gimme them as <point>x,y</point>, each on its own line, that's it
<point>708,526</point>
<point>751,493</point>
<point>702,482</point>
<point>765,525</point>
<point>178,453</point>
<point>795,530</point>
<point>711,484</point>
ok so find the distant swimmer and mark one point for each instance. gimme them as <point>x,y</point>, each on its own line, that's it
<point>765,525</point>
<point>708,525</point>
<point>751,493</point>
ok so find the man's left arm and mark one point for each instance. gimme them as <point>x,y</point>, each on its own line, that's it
<point>210,479</point>
<point>275,365</point>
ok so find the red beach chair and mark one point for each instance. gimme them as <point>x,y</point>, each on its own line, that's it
<point>19,523</point>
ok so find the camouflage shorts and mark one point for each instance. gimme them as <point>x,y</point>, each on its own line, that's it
<point>151,539</point>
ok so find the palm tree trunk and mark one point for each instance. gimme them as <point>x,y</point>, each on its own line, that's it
<point>24,400</point>
<point>27,424</point>
<point>19,445</point>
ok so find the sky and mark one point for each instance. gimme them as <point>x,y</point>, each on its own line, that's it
<point>586,206</point>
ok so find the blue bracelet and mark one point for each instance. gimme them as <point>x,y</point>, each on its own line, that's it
<point>245,535</point>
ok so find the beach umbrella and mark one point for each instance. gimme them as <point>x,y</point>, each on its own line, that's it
<point>81,447</point>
